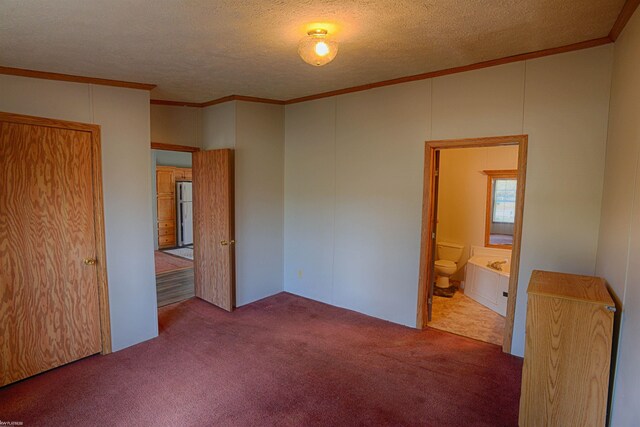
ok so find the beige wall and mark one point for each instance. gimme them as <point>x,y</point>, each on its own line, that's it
<point>619,243</point>
<point>354,167</point>
<point>353,192</point>
<point>309,202</point>
<point>176,125</point>
<point>256,132</point>
<point>462,194</point>
<point>123,115</point>
<point>259,158</point>
<point>219,126</point>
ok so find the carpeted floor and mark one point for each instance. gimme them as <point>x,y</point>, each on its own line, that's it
<point>284,360</point>
<point>165,262</point>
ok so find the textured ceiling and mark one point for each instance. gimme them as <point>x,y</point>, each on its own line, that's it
<point>198,50</point>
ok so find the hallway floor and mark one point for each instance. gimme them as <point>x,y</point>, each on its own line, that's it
<point>166,263</point>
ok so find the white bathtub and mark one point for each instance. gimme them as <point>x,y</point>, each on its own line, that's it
<point>484,284</point>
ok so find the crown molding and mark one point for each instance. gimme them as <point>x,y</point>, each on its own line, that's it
<point>432,74</point>
<point>626,13</point>
<point>175,103</point>
<point>72,78</point>
<point>242,98</point>
<point>485,64</point>
<point>173,147</point>
<point>217,101</point>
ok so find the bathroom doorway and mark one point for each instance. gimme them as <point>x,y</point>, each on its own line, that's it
<point>471,232</point>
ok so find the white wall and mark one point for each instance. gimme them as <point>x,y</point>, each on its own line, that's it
<point>565,116</point>
<point>219,126</point>
<point>462,194</point>
<point>372,166</point>
<point>309,202</point>
<point>123,115</point>
<point>353,196</point>
<point>256,132</point>
<point>176,125</point>
<point>619,243</point>
<point>378,198</point>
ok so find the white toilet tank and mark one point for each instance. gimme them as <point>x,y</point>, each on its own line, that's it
<point>450,251</point>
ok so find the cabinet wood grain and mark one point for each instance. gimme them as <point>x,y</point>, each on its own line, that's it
<point>213,227</point>
<point>569,328</point>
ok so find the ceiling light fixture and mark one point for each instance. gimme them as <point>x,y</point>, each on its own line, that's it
<point>316,48</point>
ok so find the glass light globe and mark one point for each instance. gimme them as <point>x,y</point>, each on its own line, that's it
<point>316,49</point>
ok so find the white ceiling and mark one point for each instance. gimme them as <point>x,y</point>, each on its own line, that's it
<point>199,50</point>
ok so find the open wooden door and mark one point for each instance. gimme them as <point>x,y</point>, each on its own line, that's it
<point>53,291</point>
<point>213,231</point>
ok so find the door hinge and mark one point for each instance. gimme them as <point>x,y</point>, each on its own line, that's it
<point>429,301</point>
<point>437,173</point>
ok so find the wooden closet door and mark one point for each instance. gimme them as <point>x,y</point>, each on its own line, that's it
<point>213,244</point>
<point>49,306</point>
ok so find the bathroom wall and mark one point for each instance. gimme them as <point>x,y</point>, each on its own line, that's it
<point>619,242</point>
<point>462,194</point>
<point>354,168</point>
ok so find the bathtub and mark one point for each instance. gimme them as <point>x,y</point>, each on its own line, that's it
<point>484,284</point>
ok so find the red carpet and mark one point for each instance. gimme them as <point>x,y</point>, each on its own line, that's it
<point>284,360</point>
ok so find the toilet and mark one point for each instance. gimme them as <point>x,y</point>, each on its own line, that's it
<point>447,263</point>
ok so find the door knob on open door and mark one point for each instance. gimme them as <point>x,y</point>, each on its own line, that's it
<point>89,261</point>
<point>224,242</point>
<point>233,242</point>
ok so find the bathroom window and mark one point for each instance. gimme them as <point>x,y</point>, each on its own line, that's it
<point>504,200</point>
<point>501,208</point>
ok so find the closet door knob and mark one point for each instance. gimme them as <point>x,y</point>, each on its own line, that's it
<point>89,261</point>
<point>224,242</point>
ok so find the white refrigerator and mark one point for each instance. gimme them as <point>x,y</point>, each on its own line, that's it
<point>185,213</point>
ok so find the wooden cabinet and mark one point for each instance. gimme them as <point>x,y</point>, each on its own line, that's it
<point>565,377</point>
<point>166,177</point>
<point>165,181</point>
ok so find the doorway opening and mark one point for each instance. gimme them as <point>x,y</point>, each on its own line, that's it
<point>194,234</point>
<point>173,223</point>
<point>471,232</point>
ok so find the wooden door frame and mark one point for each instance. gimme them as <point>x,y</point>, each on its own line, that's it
<point>98,210</point>
<point>173,147</point>
<point>427,246</point>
